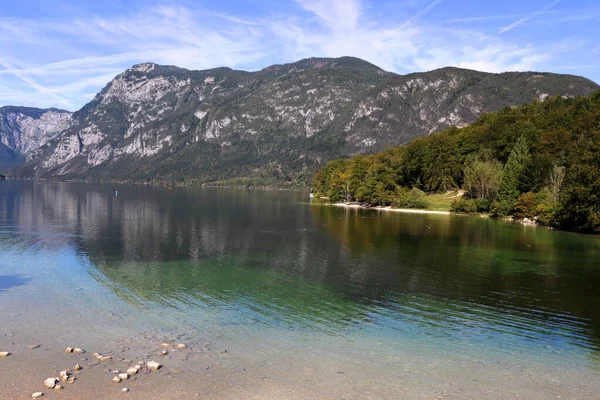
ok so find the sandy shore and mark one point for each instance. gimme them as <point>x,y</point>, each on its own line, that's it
<point>402,210</point>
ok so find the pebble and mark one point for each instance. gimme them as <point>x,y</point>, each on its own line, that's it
<point>116,379</point>
<point>64,375</point>
<point>153,366</point>
<point>50,383</point>
<point>105,358</point>
<point>77,368</point>
<point>124,390</point>
<point>181,346</point>
<point>58,387</point>
<point>77,350</point>
<point>71,379</point>
<point>124,376</point>
<point>165,345</point>
<point>4,354</point>
<point>37,395</point>
<point>163,353</point>
<point>68,350</point>
<point>132,371</point>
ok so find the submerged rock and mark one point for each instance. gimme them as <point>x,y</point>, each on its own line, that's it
<point>153,366</point>
<point>37,395</point>
<point>50,383</point>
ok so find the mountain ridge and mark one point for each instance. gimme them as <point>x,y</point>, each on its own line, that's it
<point>272,126</point>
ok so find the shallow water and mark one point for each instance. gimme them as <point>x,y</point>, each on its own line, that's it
<point>286,282</point>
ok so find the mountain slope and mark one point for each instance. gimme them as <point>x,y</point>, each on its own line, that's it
<point>271,126</point>
<point>25,129</point>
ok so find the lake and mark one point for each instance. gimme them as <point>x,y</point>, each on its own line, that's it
<point>277,295</point>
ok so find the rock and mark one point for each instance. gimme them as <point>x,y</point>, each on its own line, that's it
<point>123,376</point>
<point>68,350</point>
<point>50,383</point>
<point>33,346</point>
<point>163,353</point>
<point>165,345</point>
<point>77,350</point>
<point>77,368</point>
<point>58,387</point>
<point>153,366</point>
<point>132,371</point>
<point>116,379</point>
<point>138,367</point>
<point>124,390</point>
<point>181,346</point>
<point>97,356</point>
<point>63,375</point>
<point>71,379</point>
<point>37,395</point>
<point>4,354</point>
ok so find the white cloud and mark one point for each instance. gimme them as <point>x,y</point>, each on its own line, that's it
<point>86,53</point>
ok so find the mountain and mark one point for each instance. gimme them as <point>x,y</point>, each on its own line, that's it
<point>273,126</point>
<point>25,129</point>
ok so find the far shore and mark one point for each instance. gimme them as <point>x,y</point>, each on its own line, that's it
<point>389,208</point>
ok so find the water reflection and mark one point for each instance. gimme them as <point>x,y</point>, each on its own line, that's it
<point>269,258</point>
<point>10,281</point>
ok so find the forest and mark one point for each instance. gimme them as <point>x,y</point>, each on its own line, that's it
<point>539,161</point>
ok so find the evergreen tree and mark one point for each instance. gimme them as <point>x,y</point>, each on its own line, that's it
<point>511,177</point>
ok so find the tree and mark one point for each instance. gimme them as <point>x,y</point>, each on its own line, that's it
<point>511,177</point>
<point>482,178</point>
<point>526,206</point>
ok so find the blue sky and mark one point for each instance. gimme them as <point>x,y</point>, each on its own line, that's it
<point>61,53</point>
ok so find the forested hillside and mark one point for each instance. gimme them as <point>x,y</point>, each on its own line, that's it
<point>540,160</point>
<point>274,127</point>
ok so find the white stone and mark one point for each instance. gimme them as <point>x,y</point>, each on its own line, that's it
<point>153,366</point>
<point>50,383</point>
<point>37,395</point>
<point>124,390</point>
<point>4,354</point>
<point>116,379</point>
<point>132,371</point>
<point>123,376</point>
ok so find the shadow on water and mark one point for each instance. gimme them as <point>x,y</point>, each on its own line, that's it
<point>267,258</point>
<point>10,281</point>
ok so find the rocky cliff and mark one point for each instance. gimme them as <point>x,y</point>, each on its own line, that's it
<point>268,127</point>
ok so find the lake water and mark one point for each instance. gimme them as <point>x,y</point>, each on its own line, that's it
<point>356,303</point>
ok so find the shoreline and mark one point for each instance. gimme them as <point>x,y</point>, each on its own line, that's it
<point>389,208</point>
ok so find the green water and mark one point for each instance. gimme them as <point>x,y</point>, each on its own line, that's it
<point>265,270</point>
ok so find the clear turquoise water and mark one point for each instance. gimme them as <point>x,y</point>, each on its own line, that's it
<point>266,271</point>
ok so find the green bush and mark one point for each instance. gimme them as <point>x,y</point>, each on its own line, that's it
<point>464,206</point>
<point>413,198</point>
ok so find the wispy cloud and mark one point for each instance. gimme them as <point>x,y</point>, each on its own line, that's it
<point>417,15</point>
<point>518,22</point>
<point>63,61</point>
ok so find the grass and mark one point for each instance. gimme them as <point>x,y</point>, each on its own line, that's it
<point>442,201</point>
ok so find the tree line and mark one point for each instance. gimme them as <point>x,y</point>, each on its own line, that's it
<point>539,161</point>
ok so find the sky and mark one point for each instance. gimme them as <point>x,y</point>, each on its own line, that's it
<point>57,53</point>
